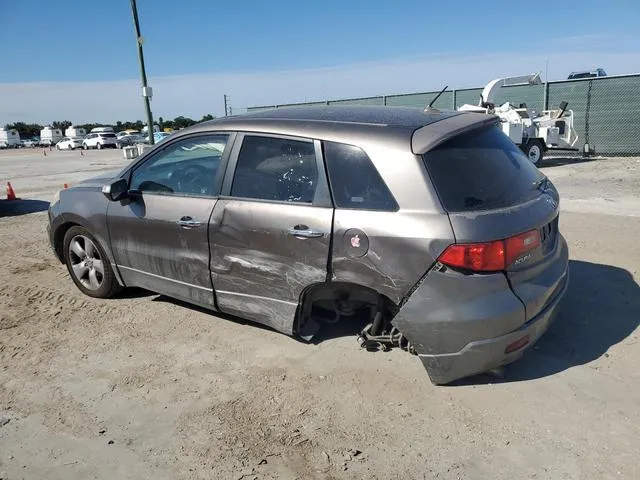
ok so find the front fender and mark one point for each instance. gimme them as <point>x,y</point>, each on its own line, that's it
<point>86,207</point>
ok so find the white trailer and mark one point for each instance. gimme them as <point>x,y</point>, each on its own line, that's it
<point>9,138</point>
<point>75,132</point>
<point>50,136</point>
<point>534,132</point>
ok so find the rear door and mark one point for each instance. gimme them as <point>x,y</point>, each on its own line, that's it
<point>270,233</point>
<point>492,192</point>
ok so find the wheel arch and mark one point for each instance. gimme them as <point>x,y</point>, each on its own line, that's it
<point>344,291</point>
<point>71,220</point>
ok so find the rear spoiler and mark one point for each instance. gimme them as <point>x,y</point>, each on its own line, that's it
<point>430,136</point>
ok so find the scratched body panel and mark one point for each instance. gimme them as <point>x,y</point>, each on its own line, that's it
<point>258,269</point>
<point>402,247</point>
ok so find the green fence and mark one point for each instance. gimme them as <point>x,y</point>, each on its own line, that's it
<point>606,110</point>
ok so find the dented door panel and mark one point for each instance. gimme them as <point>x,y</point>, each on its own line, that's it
<point>259,267</point>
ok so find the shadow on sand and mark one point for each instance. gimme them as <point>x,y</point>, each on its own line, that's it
<point>14,208</point>
<point>601,308</point>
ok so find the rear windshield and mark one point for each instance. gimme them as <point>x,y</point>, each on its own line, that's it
<point>481,170</point>
<point>108,135</point>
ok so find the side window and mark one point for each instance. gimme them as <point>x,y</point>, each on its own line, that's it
<point>276,169</point>
<point>355,182</point>
<point>186,167</point>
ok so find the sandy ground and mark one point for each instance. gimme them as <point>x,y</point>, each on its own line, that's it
<point>143,387</point>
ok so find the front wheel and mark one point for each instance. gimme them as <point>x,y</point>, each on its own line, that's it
<point>85,146</point>
<point>534,150</point>
<point>99,146</point>
<point>88,264</point>
<point>57,147</point>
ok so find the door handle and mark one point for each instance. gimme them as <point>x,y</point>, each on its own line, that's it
<point>188,222</point>
<point>302,231</point>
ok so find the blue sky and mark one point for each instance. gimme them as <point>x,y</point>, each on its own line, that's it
<point>79,61</point>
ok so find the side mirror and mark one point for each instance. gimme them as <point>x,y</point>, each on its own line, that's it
<point>116,190</point>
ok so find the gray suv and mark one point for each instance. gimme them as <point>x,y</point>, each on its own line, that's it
<point>432,225</point>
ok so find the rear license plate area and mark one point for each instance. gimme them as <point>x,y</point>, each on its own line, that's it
<point>548,235</point>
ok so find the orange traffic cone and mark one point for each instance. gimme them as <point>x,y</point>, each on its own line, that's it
<point>11,194</point>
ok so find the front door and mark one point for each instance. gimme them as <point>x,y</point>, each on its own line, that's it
<point>270,234</point>
<point>159,233</point>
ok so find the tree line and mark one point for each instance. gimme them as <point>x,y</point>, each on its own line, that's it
<point>28,130</point>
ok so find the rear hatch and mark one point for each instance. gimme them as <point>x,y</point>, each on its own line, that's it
<point>495,197</point>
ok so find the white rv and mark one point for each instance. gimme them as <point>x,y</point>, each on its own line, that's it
<point>50,136</point>
<point>9,138</point>
<point>75,132</point>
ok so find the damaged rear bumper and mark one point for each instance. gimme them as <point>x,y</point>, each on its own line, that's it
<point>463,325</point>
<point>484,355</point>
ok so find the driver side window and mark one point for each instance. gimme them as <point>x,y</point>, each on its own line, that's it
<point>186,167</point>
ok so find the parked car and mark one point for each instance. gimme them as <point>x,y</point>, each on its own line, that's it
<point>30,142</point>
<point>160,136</point>
<point>598,72</point>
<point>129,139</point>
<point>157,137</point>
<point>431,226</point>
<point>99,140</point>
<point>124,133</point>
<point>69,143</point>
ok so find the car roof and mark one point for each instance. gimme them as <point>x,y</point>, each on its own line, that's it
<point>348,124</point>
<point>360,114</point>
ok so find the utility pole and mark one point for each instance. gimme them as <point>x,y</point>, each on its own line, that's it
<point>226,110</point>
<point>146,90</point>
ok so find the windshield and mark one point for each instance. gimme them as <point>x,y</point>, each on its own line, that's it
<point>481,170</point>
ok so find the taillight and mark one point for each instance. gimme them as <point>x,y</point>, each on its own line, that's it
<point>479,257</point>
<point>490,256</point>
<point>521,244</point>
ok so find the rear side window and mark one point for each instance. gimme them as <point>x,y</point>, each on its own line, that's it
<point>355,182</point>
<point>481,170</point>
<point>276,169</point>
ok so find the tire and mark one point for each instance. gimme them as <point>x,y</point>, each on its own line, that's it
<point>57,147</point>
<point>99,146</point>
<point>85,147</point>
<point>88,264</point>
<point>534,150</point>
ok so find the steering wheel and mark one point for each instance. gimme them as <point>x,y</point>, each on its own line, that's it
<point>192,179</point>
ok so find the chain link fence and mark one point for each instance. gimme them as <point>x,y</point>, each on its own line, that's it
<point>606,110</point>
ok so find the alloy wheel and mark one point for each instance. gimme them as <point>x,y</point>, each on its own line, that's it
<point>86,264</point>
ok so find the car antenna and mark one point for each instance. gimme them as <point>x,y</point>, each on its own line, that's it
<point>430,106</point>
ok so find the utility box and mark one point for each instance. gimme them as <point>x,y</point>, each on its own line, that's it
<point>130,152</point>
<point>551,135</point>
<point>514,131</point>
<point>142,147</point>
